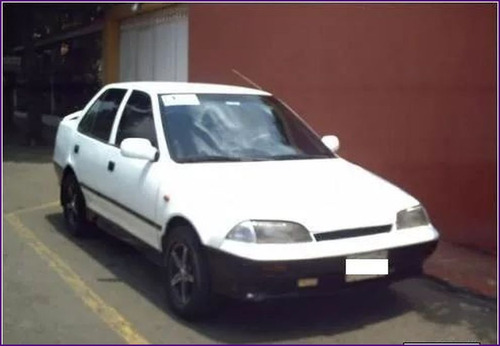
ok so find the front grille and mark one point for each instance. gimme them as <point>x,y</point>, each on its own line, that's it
<point>353,232</point>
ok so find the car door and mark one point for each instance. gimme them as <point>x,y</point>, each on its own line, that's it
<point>91,148</point>
<point>135,182</point>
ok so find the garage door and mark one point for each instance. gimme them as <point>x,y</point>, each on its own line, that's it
<point>155,46</point>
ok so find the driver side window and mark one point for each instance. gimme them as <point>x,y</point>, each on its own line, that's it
<point>137,119</point>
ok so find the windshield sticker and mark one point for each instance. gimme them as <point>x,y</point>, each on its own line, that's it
<point>233,103</point>
<point>180,100</point>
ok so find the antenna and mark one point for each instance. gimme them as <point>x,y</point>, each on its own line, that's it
<point>246,79</point>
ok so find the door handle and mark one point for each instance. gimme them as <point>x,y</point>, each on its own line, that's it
<point>76,148</point>
<point>111,166</point>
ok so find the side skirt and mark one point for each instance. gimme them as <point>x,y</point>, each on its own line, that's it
<point>113,229</point>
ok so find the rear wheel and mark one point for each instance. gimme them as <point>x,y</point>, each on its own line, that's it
<point>74,208</point>
<point>186,274</point>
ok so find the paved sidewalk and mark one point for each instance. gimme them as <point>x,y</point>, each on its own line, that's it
<point>464,268</point>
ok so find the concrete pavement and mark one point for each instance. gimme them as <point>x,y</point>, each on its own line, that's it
<point>42,305</point>
<point>38,307</point>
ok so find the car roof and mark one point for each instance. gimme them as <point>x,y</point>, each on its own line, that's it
<point>182,87</point>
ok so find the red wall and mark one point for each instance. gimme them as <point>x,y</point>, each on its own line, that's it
<point>410,89</point>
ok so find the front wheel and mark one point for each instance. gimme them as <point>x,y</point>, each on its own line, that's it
<point>73,204</point>
<point>186,274</point>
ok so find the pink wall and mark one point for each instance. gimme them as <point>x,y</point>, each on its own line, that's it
<point>410,89</point>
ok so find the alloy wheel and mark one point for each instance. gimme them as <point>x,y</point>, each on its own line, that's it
<point>181,272</point>
<point>70,204</point>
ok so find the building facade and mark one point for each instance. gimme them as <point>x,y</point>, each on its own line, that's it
<point>410,89</point>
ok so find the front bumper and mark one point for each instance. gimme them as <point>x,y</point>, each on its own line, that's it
<point>242,278</point>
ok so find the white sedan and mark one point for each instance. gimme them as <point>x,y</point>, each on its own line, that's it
<point>233,194</point>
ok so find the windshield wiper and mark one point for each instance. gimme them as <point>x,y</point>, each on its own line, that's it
<point>212,159</point>
<point>299,157</point>
<point>217,158</point>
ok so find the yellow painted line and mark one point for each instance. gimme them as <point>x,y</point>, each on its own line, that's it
<point>38,207</point>
<point>107,313</point>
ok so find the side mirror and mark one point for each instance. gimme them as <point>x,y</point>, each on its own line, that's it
<point>331,142</point>
<point>138,148</point>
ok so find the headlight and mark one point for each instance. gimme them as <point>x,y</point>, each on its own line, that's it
<point>412,217</point>
<point>269,232</point>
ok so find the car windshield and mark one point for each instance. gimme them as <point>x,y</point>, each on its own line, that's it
<point>226,127</point>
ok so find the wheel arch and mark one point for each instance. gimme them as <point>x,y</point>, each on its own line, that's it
<point>176,221</point>
<point>68,170</point>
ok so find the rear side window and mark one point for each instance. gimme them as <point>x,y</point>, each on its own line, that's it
<point>98,120</point>
<point>137,119</point>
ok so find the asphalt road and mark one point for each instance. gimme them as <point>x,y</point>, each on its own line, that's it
<point>58,289</point>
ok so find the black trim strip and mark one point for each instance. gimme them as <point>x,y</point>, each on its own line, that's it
<point>119,232</point>
<point>351,233</point>
<point>130,211</point>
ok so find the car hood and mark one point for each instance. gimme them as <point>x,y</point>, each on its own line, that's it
<point>321,194</point>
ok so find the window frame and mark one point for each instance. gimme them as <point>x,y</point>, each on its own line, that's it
<point>168,141</point>
<point>122,113</point>
<point>162,145</point>
<point>117,115</point>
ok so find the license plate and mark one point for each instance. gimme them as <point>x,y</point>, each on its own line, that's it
<point>366,266</point>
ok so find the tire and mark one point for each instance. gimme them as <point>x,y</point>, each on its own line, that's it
<point>187,278</point>
<point>74,208</point>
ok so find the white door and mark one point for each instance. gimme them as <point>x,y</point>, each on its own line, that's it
<point>92,150</point>
<point>155,46</point>
<point>135,182</point>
